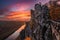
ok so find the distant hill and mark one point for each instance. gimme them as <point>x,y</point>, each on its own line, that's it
<point>8,27</point>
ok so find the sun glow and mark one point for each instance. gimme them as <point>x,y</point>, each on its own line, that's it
<point>20,15</point>
<point>17,12</point>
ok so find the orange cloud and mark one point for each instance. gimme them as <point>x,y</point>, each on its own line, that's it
<point>19,16</point>
<point>17,12</point>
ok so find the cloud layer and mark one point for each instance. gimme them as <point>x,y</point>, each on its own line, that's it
<point>19,7</point>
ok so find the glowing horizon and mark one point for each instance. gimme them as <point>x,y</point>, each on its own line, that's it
<point>19,16</point>
<point>18,10</point>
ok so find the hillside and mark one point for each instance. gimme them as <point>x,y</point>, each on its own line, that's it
<point>8,27</point>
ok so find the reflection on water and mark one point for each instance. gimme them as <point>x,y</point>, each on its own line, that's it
<point>16,33</point>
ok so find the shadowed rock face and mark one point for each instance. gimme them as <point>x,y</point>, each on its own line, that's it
<point>42,26</point>
<point>8,27</point>
<point>55,11</point>
<point>55,14</point>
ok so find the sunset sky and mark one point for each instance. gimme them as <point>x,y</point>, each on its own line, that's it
<point>17,10</point>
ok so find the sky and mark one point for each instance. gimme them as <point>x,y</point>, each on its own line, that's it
<point>20,9</point>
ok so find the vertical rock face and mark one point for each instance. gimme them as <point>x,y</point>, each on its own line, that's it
<point>40,17</point>
<point>55,15</point>
<point>42,27</point>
